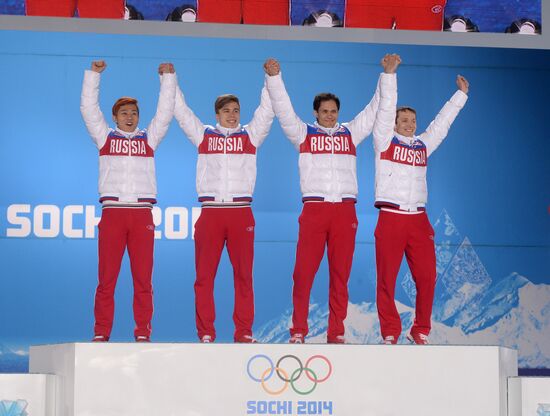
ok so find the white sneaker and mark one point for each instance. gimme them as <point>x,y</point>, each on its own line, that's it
<point>296,339</point>
<point>143,338</point>
<point>100,338</point>
<point>246,339</point>
<point>206,339</point>
<point>418,339</point>
<point>340,339</point>
<point>389,340</point>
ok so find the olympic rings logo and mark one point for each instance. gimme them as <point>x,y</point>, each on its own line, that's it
<point>287,376</point>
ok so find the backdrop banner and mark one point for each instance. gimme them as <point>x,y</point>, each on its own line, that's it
<point>489,200</point>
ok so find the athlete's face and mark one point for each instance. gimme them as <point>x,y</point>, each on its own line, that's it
<point>127,118</point>
<point>327,115</point>
<point>229,116</point>
<point>405,124</point>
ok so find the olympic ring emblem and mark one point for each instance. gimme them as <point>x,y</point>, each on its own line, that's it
<point>288,377</point>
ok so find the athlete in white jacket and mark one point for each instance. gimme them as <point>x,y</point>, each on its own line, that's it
<point>226,175</point>
<point>403,226</point>
<point>127,186</point>
<point>328,182</point>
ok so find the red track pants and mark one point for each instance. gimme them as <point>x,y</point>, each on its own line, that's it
<point>215,228</point>
<point>333,225</point>
<point>120,228</point>
<point>108,9</point>
<point>412,235</point>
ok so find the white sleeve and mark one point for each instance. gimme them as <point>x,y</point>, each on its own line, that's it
<point>188,121</point>
<point>89,108</point>
<point>259,127</point>
<point>293,127</point>
<point>384,125</point>
<point>361,126</point>
<point>438,129</point>
<point>165,110</point>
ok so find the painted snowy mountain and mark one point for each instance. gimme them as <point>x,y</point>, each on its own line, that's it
<point>469,307</point>
<point>13,362</point>
<point>518,316</point>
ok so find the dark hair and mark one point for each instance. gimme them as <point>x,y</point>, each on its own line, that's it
<point>223,100</point>
<point>325,96</point>
<point>124,101</point>
<point>403,108</point>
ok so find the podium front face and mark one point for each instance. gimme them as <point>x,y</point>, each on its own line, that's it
<point>262,379</point>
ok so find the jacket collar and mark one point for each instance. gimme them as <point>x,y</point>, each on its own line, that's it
<point>405,139</point>
<point>125,133</point>
<point>328,130</point>
<point>227,131</point>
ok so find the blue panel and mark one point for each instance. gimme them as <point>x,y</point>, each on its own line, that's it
<point>12,7</point>
<point>494,15</point>
<point>301,10</point>
<point>159,9</point>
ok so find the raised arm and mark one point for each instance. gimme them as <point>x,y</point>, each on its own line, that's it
<point>362,125</point>
<point>293,127</point>
<point>384,124</point>
<point>89,104</point>
<point>188,121</point>
<point>165,107</point>
<point>438,129</point>
<point>259,126</point>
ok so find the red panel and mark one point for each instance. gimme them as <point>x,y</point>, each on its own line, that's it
<point>60,8</point>
<point>404,14</point>
<point>219,11</point>
<point>266,12</point>
<point>106,9</point>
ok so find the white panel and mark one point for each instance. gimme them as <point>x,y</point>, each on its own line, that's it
<point>58,360</point>
<point>529,396</point>
<point>33,392</point>
<point>196,379</point>
<point>514,396</point>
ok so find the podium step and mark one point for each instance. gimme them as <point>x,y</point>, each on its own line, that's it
<point>30,393</point>
<point>529,396</point>
<point>111,379</point>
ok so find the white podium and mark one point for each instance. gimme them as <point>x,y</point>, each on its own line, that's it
<point>32,394</point>
<point>529,396</point>
<point>274,379</point>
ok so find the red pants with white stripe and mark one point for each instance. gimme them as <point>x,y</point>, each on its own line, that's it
<point>412,235</point>
<point>215,228</point>
<point>122,228</point>
<point>108,9</point>
<point>333,225</point>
